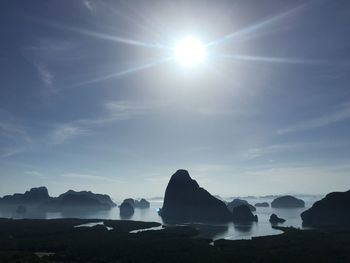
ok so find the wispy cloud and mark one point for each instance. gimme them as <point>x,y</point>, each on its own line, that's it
<point>270,149</point>
<point>88,5</point>
<point>14,138</point>
<point>35,174</point>
<point>66,131</point>
<point>12,127</point>
<point>84,176</point>
<point>11,150</point>
<point>42,53</point>
<point>45,75</point>
<point>322,121</point>
<point>210,168</point>
<point>295,172</point>
<point>48,48</point>
<point>114,111</point>
<point>128,109</point>
<point>117,111</point>
<point>207,111</point>
<point>253,153</point>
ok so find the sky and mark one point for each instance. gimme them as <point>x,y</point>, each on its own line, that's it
<point>93,99</point>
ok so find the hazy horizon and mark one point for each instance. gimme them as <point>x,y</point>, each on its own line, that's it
<point>94,96</point>
<point>119,198</point>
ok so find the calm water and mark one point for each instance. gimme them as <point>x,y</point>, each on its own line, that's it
<point>227,231</point>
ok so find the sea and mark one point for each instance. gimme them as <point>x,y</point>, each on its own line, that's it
<point>217,231</point>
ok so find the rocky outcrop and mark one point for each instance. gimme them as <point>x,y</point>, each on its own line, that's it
<point>33,196</point>
<point>126,209</point>
<point>332,210</point>
<point>274,219</point>
<point>287,201</point>
<point>40,198</point>
<point>130,201</point>
<point>242,214</point>
<point>186,201</point>
<point>80,200</point>
<point>263,204</point>
<point>143,203</point>
<point>237,202</point>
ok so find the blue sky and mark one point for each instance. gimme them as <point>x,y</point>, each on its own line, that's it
<point>91,97</point>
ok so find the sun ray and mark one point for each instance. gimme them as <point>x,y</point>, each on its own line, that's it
<point>255,27</point>
<point>124,72</point>
<point>273,59</point>
<point>117,39</point>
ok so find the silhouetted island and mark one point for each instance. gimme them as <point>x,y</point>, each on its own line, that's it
<point>39,198</point>
<point>332,210</point>
<point>237,202</point>
<point>274,219</point>
<point>186,201</point>
<point>82,199</point>
<point>130,201</point>
<point>143,203</point>
<point>242,214</point>
<point>287,201</point>
<point>126,209</point>
<point>263,204</point>
<point>32,197</point>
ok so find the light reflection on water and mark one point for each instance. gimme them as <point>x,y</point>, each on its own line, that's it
<point>227,231</point>
<point>95,224</point>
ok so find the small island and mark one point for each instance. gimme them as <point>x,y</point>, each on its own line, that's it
<point>287,201</point>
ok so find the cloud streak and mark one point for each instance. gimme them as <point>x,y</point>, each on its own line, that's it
<point>65,132</point>
<point>271,149</point>
<point>87,177</point>
<point>88,5</point>
<point>319,122</point>
<point>114,111</point>
<point>14,138</point>
<point>45,75</point>
<point>35,174</point>
<point>12,150</point>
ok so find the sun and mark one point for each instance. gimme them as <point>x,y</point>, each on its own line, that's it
<point>189,51</point>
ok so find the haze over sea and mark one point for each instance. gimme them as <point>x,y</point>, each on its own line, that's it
<point>218,231</point>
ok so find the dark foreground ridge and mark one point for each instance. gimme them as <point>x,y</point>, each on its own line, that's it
<point>186,201</point>
<point>333,210</point>
<point>61,241</point>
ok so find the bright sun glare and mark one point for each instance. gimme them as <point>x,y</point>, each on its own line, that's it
<point>189,52</point>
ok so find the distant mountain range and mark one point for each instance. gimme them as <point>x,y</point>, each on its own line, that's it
<point>69,200</point>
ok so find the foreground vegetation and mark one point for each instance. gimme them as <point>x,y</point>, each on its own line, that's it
<point>21,240</point>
